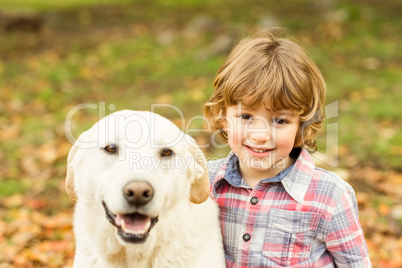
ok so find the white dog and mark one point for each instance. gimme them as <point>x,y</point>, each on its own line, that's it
<point>141,189</point>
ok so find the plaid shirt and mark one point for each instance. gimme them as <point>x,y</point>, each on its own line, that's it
<point>303,217</point>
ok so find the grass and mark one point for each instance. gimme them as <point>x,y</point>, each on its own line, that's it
<point>107,51</point>
<point>11,186</point>
<point>50,5</point>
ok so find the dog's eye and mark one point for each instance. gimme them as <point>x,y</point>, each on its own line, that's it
<point>111,149</point>
<point>166,152</point>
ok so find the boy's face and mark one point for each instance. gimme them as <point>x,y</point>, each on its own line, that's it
<point>261,138</point>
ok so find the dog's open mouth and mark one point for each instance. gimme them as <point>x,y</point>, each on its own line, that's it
<point>132,228</point>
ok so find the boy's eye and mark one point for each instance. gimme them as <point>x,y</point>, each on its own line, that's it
<point>245,116</point>
<point>279,121</point>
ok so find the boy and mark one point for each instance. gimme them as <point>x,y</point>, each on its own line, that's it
<point>276,208</point>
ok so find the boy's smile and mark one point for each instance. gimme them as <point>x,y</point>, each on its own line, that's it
<point>262,139</point>
<point>259,152</point>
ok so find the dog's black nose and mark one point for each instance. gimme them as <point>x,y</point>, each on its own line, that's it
<point>138,193</point>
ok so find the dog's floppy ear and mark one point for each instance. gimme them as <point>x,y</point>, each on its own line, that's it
<point>199,191</point>
<point>73,160</point>
<point>70,175</point>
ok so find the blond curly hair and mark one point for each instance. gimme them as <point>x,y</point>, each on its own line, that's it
<point>267,69</point>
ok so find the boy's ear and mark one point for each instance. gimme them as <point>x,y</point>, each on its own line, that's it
<point>224,123</point>
<point>299,138</point>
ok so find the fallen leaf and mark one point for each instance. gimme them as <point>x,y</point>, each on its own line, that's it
<point>384,209</point>
<point>362,199</point>
<point>396,212</point>
<point>61,221</point>
<point>35,203</point>
<point>9,133</point>
<point>48,153</point>
<point>15,200</point>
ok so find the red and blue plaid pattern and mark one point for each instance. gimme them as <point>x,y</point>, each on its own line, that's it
<point>304,217</point>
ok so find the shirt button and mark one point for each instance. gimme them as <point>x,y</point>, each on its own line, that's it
<point>246,237</point>
<point>254,200</point>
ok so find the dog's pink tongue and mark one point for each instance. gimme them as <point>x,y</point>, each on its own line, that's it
<point>133,222</point>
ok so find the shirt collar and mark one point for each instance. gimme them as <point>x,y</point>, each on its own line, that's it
<point>295,179</point>
<point>232,173</point>
<point>296,183</point>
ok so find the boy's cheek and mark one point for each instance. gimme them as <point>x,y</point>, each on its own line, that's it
<point>234,140</point>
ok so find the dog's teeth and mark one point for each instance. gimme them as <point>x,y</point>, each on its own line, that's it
<point>135,232</point>
<point>147,226</point>
<point>123,225</point>
<point>139,232</point>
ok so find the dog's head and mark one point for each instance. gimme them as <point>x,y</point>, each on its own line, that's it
<point>136,166</point>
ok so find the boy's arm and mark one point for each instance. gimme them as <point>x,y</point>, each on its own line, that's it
<point>345,239</point>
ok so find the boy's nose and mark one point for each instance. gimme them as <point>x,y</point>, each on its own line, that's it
<point>260,133</point>
<point>259,136</point>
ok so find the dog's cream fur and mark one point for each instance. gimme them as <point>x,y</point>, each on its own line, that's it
<point>187,233</point>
